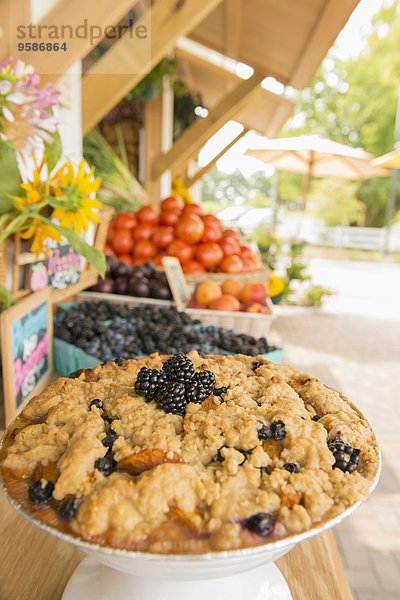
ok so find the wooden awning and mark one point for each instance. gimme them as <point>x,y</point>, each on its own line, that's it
<point>286,39</point>
<point>265,113</point>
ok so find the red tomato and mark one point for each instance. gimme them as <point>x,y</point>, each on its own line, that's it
<point>157,260</point>
<point>212,220</point>
<point>126,258</point>
<point>231,264</point>
<point>212,233</point>
<point>122,241</point>
<point>181,250</point>
<point>138,260</point>
<point>125,220</point>
<point>162,236</point>
<point>229,246</point>
<point>257,258</point>
<point>249,264</point>
<point>143,231</point>
<point>209,254</point>
<point>233,233</point>
<point>110,233</point>
<point>172,202</point>
<point>169,217</point>
<point>193,267</point>
<point>145,249</point>
<point>190,229</point>
<point>108,251</point>
<point>148,214</point>
<point>192,209</point>
<point>246,251</point>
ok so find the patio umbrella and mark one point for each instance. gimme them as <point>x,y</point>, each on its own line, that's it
<point>390,160</point>
<point>316,157</point>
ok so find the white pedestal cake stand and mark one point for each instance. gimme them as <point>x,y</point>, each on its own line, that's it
<point>94,581</point>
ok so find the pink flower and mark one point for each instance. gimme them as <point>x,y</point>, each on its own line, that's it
<point>25,113</point>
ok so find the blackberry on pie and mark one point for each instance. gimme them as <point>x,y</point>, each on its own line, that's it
<point>179,368</point>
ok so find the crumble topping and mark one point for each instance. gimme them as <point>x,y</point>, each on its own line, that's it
<point>249,464</point>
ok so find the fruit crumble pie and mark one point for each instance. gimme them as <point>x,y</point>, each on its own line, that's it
<point>188,454</point>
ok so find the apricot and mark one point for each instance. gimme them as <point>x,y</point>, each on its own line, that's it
<point>206,292</point>
<point>225,302</point>
<point>233,287</point>
<point>194,304</point>
<point>253,292</point>
<point>255,307</point>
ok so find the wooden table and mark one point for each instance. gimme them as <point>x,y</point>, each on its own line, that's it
<point>37,566</point>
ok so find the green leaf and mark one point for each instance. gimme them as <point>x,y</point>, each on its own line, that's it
<point>6,298</point>
<point>15,225</point>
<point>56,201</point>
<point>10,178</point>
<point>53,151</point>
<point>92,255</point>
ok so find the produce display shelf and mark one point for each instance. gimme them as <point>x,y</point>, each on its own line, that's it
<point>68,358</point>
<point>263,274</point>
<point>255,324</point>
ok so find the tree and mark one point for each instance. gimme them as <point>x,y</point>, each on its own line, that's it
<point>354,102</point>
<point>334,201</point>
<point>221,189</point>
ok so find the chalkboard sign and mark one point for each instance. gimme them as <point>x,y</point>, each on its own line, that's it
<point>60,269</point>
<point>26,349</point>
<point>176,280</point>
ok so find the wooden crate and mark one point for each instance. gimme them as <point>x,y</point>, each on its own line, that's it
<point>263,274</point>
<point>22,260</point>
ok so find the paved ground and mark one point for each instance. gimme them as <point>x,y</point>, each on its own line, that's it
<point>359,354</point>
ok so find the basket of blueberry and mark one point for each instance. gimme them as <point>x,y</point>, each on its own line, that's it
<point>92,332</point>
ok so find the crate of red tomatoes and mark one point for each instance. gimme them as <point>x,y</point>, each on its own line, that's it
<point>200,242</point>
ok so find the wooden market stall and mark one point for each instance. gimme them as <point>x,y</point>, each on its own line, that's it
<point>285,40</point>
<point>282,40</point>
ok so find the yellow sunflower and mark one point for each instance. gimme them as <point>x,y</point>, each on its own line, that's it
<point>178,189</point>
<point>275,285</point>
<point>34,194</point>
<point>34,190</point>
<point>74,190</point>
<point>40,232</point>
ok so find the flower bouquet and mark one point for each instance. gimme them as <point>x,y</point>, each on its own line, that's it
<point>50,204</point>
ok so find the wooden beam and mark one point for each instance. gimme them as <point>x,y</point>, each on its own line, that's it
<point>197,134</point>
<point>152,146</point>
<point>188,73</point>
<point>202,62</point>
<point>201,172</point>
<point>280,115</point>
<point>233,26</point>
<point>17,13</point>
<point>169,19</point>
<point>332,19</point>
<point>71,14</point>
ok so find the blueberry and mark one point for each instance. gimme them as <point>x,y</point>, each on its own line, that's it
<point>246,454</point>
<point>291,467</point>
<point>278,431</point>
<point>218,457</point>
<point>106,464</point>
<point>69,509</point>
<point>316,417</point>
<point>110,438</point>
<point>41,490</point>
<point>264,433</point>
<point>261,523</point>
<point>264,471</point>
<point>220,391</point>
<point>96,402</point>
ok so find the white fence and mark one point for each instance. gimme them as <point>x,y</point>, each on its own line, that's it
<point>365,238</point>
